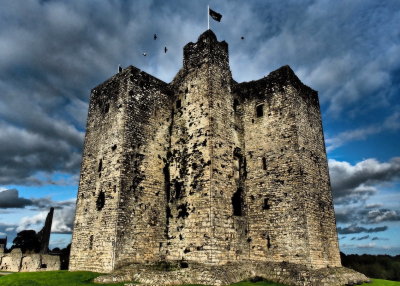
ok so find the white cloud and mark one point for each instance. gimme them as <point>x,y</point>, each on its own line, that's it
<point>367,245</point>
<point>391,123</point>
<point>63,218</point>
<point>360,180</point>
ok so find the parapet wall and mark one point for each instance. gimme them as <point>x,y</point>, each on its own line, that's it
<point>16,261</point>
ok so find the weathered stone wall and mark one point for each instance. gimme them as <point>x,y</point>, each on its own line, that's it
<point>321,224</point>
<point>16,261</point>
<point>97,208</point>
<point>142,205</point>
<point>276,215</point>
<point>203,170</point>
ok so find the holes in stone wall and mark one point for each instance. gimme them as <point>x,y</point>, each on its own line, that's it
<point>178,103</point>
<point>178,190</point>
<point>235,104</point>
<point>106,107</point>
<point>100,167</point>
<point>237,202</point>
<point>167,182</point>
<point>114,147</point>
<point>182,211</point>
<point>260,110</point>
<point>264,163</point>
<point>43,265</point>
<point>268,242</point>
<point>266,205</point>
<point>101,199</point>
<point>184,264</point>
<point>91,242</point>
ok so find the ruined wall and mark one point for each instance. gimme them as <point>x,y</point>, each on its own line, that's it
<point>16,261</point>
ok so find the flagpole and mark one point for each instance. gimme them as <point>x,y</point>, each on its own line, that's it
<point>208,17</point>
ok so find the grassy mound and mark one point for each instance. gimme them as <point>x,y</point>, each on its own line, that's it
<point>380,282</point>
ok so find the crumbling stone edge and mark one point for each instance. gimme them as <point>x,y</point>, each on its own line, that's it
<point>286,273</point>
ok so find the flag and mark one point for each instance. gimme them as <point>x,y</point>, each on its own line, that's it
<point>215,15</point>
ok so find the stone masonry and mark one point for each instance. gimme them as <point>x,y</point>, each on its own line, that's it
<point>16,261</point>
<point>204,171</point>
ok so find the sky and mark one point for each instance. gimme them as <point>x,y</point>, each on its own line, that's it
<point>52,53</point>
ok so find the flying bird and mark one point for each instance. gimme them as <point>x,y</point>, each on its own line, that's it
<point>144,54</point>
<point>242,37</point>
<point>165,49</point>
<point>155,36</point>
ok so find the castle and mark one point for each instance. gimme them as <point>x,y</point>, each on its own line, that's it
<point>204,172</point>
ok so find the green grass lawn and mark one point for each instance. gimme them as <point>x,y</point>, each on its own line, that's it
<point>50,278</point>
<point>65,278</point>
<point>380,282</point>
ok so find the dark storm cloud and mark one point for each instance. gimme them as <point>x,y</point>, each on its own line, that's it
<point>366,215</point>
<point>353,183</point>
<point>53,52</point>
<point>380,215</point>
<point>11,199</point>
<point>378,238</point>
<point>63,214</point>
<point>359,229</point>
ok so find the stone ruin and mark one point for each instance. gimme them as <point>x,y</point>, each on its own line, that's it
<point>206,180</point>
<point>16,261</point>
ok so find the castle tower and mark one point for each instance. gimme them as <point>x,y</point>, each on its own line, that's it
<point>204,170</point>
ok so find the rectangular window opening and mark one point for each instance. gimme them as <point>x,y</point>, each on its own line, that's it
<point>91,242</point>
<point>237,202</point>
<point>235,104</point>
<point>264,163</point>
<point>260,110</point>
<point>266,205</point>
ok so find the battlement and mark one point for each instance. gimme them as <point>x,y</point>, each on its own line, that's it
<point>277,80</point>
<point>204,170</point>
<point>207,49</point>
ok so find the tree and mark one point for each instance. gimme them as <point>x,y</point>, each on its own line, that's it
<point>27,240</point>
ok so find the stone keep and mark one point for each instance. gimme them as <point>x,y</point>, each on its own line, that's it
<point>204,170</point>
